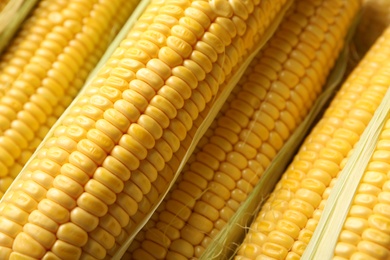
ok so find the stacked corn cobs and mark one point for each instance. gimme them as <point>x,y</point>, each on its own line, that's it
<point>108,161</point>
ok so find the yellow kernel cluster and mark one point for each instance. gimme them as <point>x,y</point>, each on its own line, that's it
<point>262,112</point>
<point>288,219</point>
<point>168,172</point>
<point>85,188</point>
<point>45,67</point>
<point>366,233</point>
<point>88,191</point>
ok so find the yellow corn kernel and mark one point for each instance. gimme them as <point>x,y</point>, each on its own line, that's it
<point>365,232</point>
<point>132,121</point>
<point>229,160</point>
<point>35,89</point>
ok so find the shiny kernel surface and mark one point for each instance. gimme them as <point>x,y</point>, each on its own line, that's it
<point>319,158</point>
<point>178,30</point>
<point>234,161</point>
<point>57,69</point>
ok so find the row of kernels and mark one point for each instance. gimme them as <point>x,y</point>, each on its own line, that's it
<point>37,79</point>
<point>182,241</point>
<point>158,186</point>
<point>361,236</point>
<point>11,61</point>
<point>285,252</point>
<point>41,132</point>
<point>153,233</point>
<point>54,248</point>
<point>343,146</point>
<point>41,99</point>
<point>316,179</point>
<point>223,210</point>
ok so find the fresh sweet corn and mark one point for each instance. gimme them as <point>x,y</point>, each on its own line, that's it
<point>165,176</point>
<point>267,105</point>
<point>45,67</point>
<point>287,220</point>
<point>83,189</point>
<point>366,231</point>
<point>12,15</point>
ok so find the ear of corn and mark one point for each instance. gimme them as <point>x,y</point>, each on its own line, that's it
<point>365,232</point>
<point>44,68</point>
<point>225,244</point>
<point>351,200</point>
<point>287,220</point>
<point>204,118</point>
<point>86,185</point>
<point>109,161</point>
<point>12,14</point>
<point>259,116</point>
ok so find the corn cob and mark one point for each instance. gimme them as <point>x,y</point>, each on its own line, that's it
<point>157,188</point>
<point>71,200</point>
<point>12,14</point>
<point>271,100</point>
<point>365,233</point>
<point>289,217</point>
<point>355,194</point>
<point>165,176</point>
<point>45,67</point>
